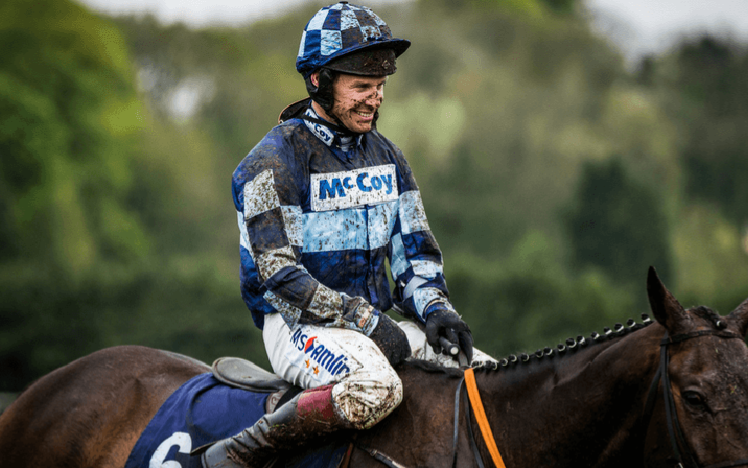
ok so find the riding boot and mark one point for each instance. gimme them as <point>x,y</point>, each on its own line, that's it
<point>308,417</point>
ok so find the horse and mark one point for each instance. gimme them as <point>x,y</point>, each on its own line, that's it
<point>669,392</point>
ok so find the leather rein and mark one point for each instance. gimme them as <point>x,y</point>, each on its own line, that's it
<point>476,404</point>
<point>682,454</point>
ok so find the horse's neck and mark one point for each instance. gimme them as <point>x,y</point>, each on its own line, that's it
<point>579,409</point>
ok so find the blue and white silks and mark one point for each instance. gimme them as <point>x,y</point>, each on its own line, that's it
<point>319,224</point>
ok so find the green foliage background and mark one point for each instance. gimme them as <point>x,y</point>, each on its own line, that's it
<point>552,174</point>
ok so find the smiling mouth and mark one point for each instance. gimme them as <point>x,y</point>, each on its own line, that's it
<point>366,115</point>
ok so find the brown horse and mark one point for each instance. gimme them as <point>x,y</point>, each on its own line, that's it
<point>653,396</point>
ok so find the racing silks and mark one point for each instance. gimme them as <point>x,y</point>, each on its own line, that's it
<point>319,213</point>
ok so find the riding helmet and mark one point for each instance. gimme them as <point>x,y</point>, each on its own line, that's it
<point>346,38</point>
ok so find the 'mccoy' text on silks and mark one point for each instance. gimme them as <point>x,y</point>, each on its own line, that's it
<point>359,187</point>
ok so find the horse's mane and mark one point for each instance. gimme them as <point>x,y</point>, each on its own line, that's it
<point>517,360</point>
<point>572,345</point>
<point>569,347</point>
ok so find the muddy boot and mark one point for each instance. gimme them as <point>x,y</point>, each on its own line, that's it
<point>308,417</point>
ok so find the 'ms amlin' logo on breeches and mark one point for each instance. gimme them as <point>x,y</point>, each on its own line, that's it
<point>318,358</point>
<point>358,187</point>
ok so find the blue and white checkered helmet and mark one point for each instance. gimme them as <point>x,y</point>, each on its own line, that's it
<point>340,29</point>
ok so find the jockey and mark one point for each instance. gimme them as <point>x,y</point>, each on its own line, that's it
<point>324,203</point>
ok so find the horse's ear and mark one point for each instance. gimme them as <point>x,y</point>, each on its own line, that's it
<point>740,317</point>
<point>666,309</point>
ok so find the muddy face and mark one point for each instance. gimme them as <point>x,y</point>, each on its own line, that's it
<point>357,98</point>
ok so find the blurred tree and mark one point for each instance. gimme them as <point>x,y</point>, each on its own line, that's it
<point>67,110</point>
<point>68,115</point>
<point>700,85</point>
<point>111,228</point>
<point>617,225</point>
<point>711,261</point>
<point>533,300</point>
<point>561,6</point>
<point>713,113</point>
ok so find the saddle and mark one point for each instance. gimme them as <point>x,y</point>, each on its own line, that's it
<point>246,375</point>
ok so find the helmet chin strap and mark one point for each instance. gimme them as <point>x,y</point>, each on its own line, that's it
<point>321,94</point>
<point>336,123</point>
<point>321,91</point>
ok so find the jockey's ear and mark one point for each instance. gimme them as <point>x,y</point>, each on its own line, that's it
<point>667,310</point>
<point>740,317</point>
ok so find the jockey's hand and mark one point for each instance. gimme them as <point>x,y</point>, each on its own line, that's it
<point>446,324</point>
<point>391,340</point>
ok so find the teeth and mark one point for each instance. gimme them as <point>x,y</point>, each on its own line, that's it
<point>364,114</point>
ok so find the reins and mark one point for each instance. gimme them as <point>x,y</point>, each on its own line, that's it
<point>474,402</point>
<point>682,454</point>
<point>480,417</point>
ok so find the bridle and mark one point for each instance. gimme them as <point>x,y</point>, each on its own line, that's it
<point>682,454</point>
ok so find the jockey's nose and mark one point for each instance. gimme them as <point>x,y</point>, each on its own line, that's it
<point>375,98</point>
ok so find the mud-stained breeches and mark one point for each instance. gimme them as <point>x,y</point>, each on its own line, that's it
<point>366,389</point>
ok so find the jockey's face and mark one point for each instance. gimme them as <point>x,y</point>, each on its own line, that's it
<point>356,99</point>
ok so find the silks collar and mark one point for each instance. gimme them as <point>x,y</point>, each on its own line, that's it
<point>329,133</point>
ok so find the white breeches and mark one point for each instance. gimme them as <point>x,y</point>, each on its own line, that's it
<point>366,387</point>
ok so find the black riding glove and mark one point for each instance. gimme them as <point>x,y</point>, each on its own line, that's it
<point>446,324</point>
<point>391,339</point>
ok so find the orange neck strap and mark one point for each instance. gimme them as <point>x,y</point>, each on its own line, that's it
<point>480,417</point>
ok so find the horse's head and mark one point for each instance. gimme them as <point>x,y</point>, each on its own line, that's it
<point>708,375</point>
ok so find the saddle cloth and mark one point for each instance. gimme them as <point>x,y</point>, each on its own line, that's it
<point>204,410</point>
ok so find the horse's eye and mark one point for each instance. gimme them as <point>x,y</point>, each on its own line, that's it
<point>694,399</point>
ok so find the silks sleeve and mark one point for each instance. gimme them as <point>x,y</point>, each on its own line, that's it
<point>415,257</point>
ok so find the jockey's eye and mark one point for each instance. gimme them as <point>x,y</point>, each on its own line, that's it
<point>695,400</point>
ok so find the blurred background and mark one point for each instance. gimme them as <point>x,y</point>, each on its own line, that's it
<point>561,148</point>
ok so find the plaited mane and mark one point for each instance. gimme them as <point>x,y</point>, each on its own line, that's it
<point>571,345</point>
